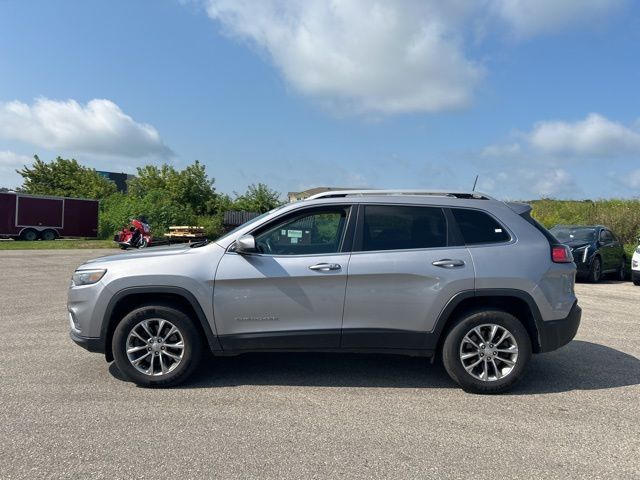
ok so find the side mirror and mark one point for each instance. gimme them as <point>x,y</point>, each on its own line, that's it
<point>246,244</point>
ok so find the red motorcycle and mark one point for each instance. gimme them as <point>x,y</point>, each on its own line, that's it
<point>135,235</point>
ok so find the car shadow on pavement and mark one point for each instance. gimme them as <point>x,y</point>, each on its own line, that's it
<point>320,370</point>
<point>577,366</point>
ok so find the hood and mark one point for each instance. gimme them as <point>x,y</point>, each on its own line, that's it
<point>149,252</point>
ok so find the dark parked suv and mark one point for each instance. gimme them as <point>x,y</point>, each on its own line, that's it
<point>596,250</point>
<point>459,275</point>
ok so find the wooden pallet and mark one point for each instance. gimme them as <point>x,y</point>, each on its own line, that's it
<point>186,232</point>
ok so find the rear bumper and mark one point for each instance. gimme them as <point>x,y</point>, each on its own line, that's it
<point>91,344</point>
<point>556,333</point>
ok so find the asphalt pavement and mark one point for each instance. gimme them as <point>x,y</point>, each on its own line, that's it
<point>66,413</point>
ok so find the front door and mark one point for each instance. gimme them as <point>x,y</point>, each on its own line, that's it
<point>401,277</point>
<point>290,294</point>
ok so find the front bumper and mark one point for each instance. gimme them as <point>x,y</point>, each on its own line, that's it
<point>91,344</point>
<point>554,334</point>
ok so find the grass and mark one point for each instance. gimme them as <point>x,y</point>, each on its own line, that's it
<point>64,244</point>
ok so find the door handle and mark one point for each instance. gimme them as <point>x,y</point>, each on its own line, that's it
<point>448,263</point>
<point>325,267</point>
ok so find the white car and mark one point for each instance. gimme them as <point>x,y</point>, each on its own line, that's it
<point>635,266</point>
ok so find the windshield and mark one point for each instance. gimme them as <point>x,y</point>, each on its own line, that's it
<point>254,220</point>
<point>574,234</point>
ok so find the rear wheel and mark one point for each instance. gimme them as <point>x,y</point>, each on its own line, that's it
<point>29,235</point>
<point>156,346</point>
<point>595,271</point>
<point>48,235</point>
<point>622,270</point>
<point>487,352</point>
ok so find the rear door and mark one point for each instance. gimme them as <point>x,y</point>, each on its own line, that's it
<point>402,273</point>
<point>290,294</point>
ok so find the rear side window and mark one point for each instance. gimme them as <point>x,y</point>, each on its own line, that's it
<point>398,227</point>
<point>478,227</point>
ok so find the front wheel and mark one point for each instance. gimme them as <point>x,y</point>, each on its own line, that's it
<point>487,351</point>
<point>595,271</point>
<point>156,346</point>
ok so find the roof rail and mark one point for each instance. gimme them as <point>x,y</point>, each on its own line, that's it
<point>433,193</point>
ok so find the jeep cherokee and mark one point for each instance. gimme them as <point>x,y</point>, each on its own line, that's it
<point>459,275</point>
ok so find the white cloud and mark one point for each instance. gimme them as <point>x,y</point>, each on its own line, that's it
<point>9,163</point>
<point>526,182</point>
<point>389,56</point>
<point>530,17</point>
<point>501,151</point>
<point>373,56</point>
<point>12,160</point>
<point>632,180</point>
<point>99,127</point>
<point>595,136</point>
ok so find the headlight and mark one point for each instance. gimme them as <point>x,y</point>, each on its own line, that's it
<point>87,277</point>
<point>637,249</point>
<point>581,253</point>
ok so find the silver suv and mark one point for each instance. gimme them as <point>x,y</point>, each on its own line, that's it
<point>460,275</point>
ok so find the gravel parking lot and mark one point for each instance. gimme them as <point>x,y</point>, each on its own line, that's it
<point>65,413</point>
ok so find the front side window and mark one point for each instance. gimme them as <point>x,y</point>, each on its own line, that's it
<point>399,227</point>
<point>606,236</point>
<point>478,227</point>
<point>310,233</point>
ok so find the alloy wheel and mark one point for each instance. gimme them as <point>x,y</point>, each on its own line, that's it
<point>155,347</point>
<point>489,352</point>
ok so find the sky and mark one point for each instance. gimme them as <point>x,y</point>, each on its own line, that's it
<point>540,98</point>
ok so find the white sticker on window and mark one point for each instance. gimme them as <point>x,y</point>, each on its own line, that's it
<point>498,230</point>
<point>294,239</point>
<point>294,233</point>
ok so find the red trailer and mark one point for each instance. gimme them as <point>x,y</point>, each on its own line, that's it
<point>29,217</point>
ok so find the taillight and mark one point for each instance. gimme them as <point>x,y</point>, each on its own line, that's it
<point>561,254</point>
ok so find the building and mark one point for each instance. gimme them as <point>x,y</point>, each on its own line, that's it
<point>295,196</point>
<point>120,179</point>
<point>233,219</point>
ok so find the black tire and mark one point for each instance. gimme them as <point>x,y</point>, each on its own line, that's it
<point>453,342</point>
<point>635,278</point>
<point>49,235</point>
<point>595,271</point>
<point>622,270</point>
<point>190,335</point>
<point>29,235</point>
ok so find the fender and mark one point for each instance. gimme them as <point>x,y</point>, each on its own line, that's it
<point>459,297</point>
<point>212,339</point>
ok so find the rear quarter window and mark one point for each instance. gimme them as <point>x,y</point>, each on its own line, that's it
<point>478,227</point>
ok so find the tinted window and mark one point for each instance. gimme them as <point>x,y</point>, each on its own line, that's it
<point>606,236</point>
<point>479,227</point>
<point>308,233</point>
<point>568,234</point>
<point>387,227</point>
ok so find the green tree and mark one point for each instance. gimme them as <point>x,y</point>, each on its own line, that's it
<point>190,187</point>
<point>65,178</point>
<point>258,198</point>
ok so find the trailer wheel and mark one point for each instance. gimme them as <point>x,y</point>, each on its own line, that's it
<point>29,235</point>
<point>49,235</point>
